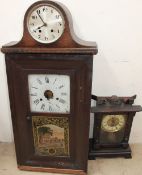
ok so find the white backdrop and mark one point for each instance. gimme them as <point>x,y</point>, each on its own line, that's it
<point>116,26</point>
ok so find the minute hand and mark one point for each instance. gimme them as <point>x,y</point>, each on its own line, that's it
<point>41,18</point>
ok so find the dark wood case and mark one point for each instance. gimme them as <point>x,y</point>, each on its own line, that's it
<point>112,144</point>
<point>69,56</point>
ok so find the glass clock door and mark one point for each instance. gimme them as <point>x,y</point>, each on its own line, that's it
<point>50,93</point>
<point>51,123</point>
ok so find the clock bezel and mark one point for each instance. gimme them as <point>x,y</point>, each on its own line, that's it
<point>113,130</point>
<point>49,71</point>
<point>36,7</point>
<point>63,41</point>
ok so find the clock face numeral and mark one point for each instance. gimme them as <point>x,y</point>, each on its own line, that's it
<point>38,11</point>
<point>57,16</point>
<point>34,17</point>
<point>43,9</point>
<point>61,86</point>
<point>32,24</point>
<point>53,36</point>
<point>58,106</point>
<point>43,106</point>
<point>62,101</point>
<point>54,80</point>
<point>35,94</point>
<point>34,87</point>
<point>113,123</point>
<point>63,93</point>
<point>36,101</point>
<point>50,108</point>
<point>39,81</point>
<point>49,93</point>
<point>46,79</point>
<point>45,24</point>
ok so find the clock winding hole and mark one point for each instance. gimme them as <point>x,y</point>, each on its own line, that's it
<point>48,94</point>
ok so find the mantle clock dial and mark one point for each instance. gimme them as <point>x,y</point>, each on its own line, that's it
<point>113,123</point>
<point>49,75</point>
<point>45,23</point>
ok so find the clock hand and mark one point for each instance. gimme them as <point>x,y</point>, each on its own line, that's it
<point>41,19</point>
<point>40,27</point>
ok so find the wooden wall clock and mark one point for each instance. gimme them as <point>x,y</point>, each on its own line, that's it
<point>49,78</point>
<point>113,118</point>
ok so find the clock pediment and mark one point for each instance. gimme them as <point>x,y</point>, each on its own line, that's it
<point>68,42</point>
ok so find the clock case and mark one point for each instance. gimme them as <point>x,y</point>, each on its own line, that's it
<point>69,55</point>
<point>102,144</point>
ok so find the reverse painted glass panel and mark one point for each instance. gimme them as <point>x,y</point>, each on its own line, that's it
<point>51,135</point>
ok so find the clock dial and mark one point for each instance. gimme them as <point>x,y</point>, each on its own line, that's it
<point>49,93</point>
<point>113,123</point>
<point>45,23</point>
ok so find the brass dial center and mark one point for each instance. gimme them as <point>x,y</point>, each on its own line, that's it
<point>113,122</point>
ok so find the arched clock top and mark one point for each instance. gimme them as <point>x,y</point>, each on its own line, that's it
<point>48,28</point>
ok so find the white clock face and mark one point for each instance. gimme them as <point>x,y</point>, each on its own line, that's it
<point>49,93</point>
<point>45,23</point>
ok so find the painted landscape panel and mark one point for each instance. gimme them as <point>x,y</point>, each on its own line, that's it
<point>51,135</point>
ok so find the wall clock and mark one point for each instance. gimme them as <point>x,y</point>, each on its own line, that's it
<point>49,78</point>
<point>113,117</point>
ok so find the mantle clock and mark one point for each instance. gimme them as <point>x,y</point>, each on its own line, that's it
<point>49,75</point>
<point>113,119</point>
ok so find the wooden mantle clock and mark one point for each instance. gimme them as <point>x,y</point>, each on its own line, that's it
<point>113,118</point>
<point>49,78</point>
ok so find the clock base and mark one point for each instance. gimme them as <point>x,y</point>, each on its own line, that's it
<point>110,153</point>
<point>52,170</point>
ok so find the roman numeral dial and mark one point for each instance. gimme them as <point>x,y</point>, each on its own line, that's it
<point>49,93</point>
<point>45,24</point>
<point>113,123</point>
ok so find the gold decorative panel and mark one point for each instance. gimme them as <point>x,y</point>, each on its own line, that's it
<point>51,135</point>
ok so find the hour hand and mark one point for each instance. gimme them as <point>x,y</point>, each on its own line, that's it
<point>39,27</point>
